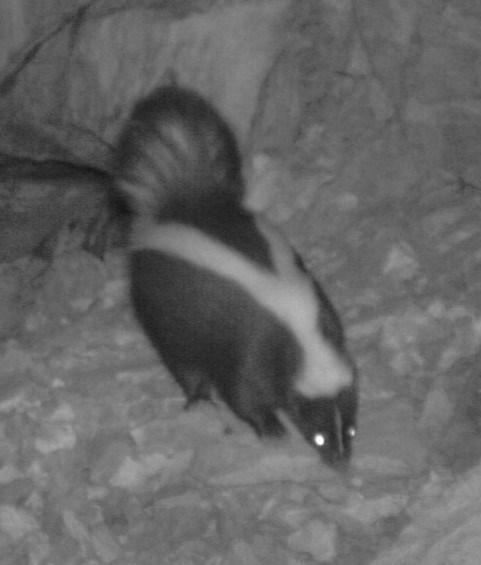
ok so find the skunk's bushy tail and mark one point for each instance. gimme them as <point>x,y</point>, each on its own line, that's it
<point>175,151</point>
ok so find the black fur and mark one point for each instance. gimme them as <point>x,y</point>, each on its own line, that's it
<point>178,156</point>
<point>207,342</point>
<point>177,146</point>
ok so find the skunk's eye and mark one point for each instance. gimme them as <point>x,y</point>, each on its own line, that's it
<point>319,440</point>
<point>351,431</point>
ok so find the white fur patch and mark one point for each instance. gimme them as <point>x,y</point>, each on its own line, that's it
<point>287,294</point>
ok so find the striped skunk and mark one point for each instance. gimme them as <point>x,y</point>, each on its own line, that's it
<point>226,302</point>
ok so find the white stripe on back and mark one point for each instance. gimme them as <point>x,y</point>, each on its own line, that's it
<point>287,294</point>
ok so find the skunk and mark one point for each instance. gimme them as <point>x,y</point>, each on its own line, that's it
<point>226,302</point>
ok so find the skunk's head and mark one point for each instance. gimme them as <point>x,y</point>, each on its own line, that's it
<point>328,424</point>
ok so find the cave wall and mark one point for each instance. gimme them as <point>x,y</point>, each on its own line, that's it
<point>83,74</point>
<point>367,90</point>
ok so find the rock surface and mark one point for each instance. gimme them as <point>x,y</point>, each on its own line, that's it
<point>363,124</point>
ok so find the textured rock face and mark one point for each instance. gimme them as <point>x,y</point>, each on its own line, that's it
<point>229,52</point>
<point>445,528</point>
<point>368,118</point>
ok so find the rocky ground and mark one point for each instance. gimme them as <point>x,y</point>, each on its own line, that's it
<point>101,464</point>
<point>363,124</point>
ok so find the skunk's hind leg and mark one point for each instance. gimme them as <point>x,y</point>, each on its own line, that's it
<point>195,386</point>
